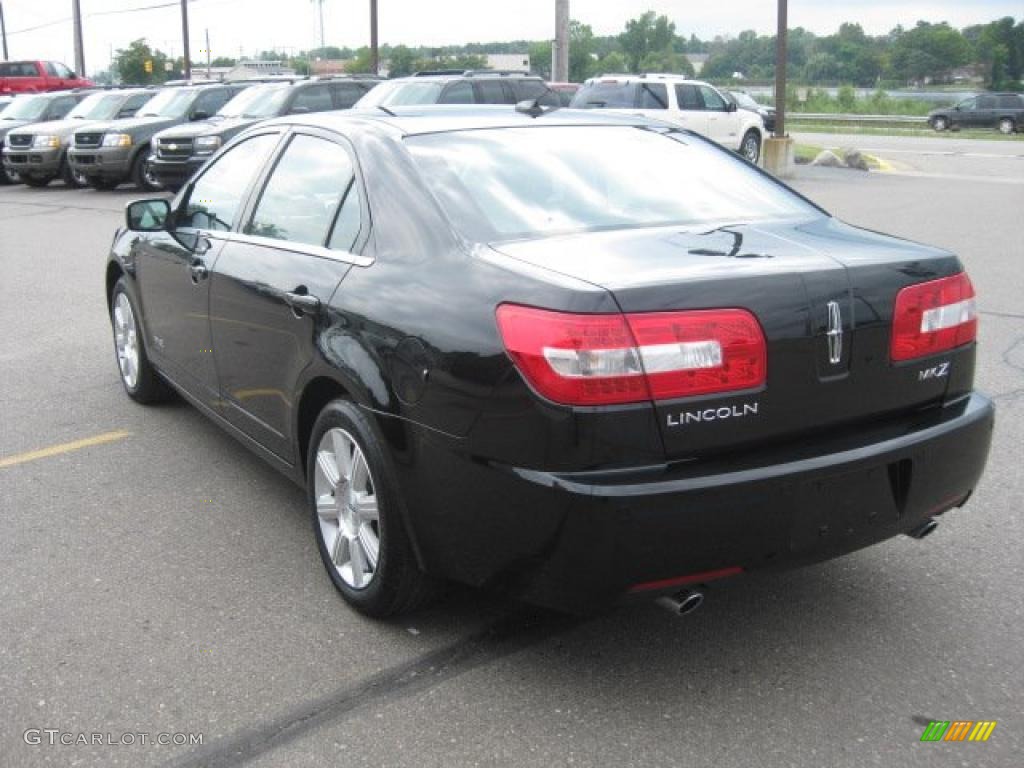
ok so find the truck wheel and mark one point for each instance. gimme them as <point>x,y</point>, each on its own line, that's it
<point>37,181</point>
<point>751,147</point>
<point>940,124</point>
<point>1007,126</point>
<point>143,177</point>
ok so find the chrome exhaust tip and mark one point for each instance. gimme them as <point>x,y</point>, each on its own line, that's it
<point>682,603</point>
<point>925,528</point>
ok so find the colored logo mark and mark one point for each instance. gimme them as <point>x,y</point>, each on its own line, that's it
<point>958,730</point>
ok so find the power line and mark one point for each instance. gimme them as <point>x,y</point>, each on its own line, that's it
<point>136,9</point>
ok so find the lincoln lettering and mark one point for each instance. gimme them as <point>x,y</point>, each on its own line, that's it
<point>713,414</point>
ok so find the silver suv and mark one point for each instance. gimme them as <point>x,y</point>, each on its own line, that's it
<point>690,104</point>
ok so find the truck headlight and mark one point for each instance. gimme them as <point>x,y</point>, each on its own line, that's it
<point>117,140</point>
<point>46,142</point>
<point>207,145</point>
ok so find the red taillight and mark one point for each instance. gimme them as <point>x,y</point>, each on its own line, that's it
<point>933,317</point>
<point>607,359</point>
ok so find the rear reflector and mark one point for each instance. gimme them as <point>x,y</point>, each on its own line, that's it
<point>608,359</point>
<point>681,581</point>
<point>933,317</point>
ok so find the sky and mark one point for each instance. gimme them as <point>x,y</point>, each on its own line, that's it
<point>249,26</point>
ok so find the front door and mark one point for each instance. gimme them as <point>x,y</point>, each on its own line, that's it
<point>691,109</point>
<point>274,280</point>
<point>723,125</point>
<point>174,268</point>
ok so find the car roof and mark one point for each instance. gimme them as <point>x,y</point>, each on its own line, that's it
<point>645,77</point>
<point>416,120</point>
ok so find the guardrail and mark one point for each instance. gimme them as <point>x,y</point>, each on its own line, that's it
<point>824,117</point>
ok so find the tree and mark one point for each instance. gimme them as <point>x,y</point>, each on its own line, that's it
<point>581,48</point>
<point>223,61</point>
<point>130,64</point>
<point>667,61</point>
<point>646,34</point>
<point>613,63</point>
<point>401,61</point>
<point>540,58</point>
<point>361,63</point>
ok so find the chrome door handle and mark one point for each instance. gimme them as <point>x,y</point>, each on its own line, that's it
<point>302,303</point>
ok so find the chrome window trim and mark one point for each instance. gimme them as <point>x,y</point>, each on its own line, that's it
<point>318,251</point>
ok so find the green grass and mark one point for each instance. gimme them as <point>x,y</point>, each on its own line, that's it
<point>805,153</point>
<point>793,123</point>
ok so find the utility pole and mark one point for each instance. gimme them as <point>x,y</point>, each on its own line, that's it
<point>187,67</point>
<point>780,71</point>
<point>323,36</point>
<point>76,15</point>
<point>560,73</point>
<point>3,30</point>
<point>374,50</point>
<point>208,53</point>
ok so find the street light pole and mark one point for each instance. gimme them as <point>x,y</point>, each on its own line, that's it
<point>76,15</point>
<point>187,66</point>
<point>374,50</point>
<point>780,71</point>
<point>3,30</point>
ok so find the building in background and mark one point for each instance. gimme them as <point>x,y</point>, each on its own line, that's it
<point>509,62</point>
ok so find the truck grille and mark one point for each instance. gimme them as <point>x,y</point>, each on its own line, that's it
<point>173,149</point>
<point>88,139</point>
<point>23,140</point>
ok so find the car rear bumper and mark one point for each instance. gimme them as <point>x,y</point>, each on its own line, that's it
<point>175,172</point>
<point>105,162</point>
<point>578,541</point>
<point>33,162</point>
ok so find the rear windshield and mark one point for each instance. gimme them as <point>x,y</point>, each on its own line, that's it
<point>173,102</point>
<point>401,94</point>
<point>606,95</point>
<point>25,108</point>
<point>261,101</point>
<point>99,106</point>
<point>518,183</point>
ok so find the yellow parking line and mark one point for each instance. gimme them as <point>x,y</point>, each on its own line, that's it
<point>56,450</point>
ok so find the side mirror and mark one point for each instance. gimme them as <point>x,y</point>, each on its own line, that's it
<point>198,114</point>
<point>147,215</point>
<point>730,106</point>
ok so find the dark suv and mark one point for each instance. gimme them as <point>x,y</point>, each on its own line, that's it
<point>110,153</point>
<point>1004,111</point>
<point>37,108</point>
<point>38,152</point>
<point>472,86</point>
<point>180,151</point>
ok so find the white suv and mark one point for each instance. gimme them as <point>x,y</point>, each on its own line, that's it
<point>690,104</point>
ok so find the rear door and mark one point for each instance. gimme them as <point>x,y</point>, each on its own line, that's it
<point>493,92</point>
<point>274,279</point>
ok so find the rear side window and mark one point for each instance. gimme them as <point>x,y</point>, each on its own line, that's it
<point>611,95</point>
<point>1010,101</point>
<point>349,221</point>
<point>316,98</point>
<point>18,69</point>
<point>216,197</point>
<point>460,92</point>
<point>653,96</point>
<point>301,199</point>
<point>688,97</point>
<point>492,92</point>
<point>347,94</point>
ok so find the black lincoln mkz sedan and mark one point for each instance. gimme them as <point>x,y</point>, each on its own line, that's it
<point>576,355</point>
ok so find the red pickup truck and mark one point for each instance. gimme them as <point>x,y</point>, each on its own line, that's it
<point>38,76</point>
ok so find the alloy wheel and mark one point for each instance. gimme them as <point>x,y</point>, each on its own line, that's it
<point>751,148</point>
<point>126,340</point>
<point>346,505</point>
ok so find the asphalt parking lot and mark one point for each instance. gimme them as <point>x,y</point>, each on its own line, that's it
<point>158,578</point>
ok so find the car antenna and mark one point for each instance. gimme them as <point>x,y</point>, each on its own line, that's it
<point>534,108</point>
<point>385,110</point>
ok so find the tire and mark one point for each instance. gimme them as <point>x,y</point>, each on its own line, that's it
<point>9,177</point>
<point>368,517</point>
<point>940,124</point>
<point>37,181</point>
<point>141,176</point>
<point>72,178</point>
<point>104,184</point>
<point>141,381</point>
<point>1007,126</point>
<point>750,147</point>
